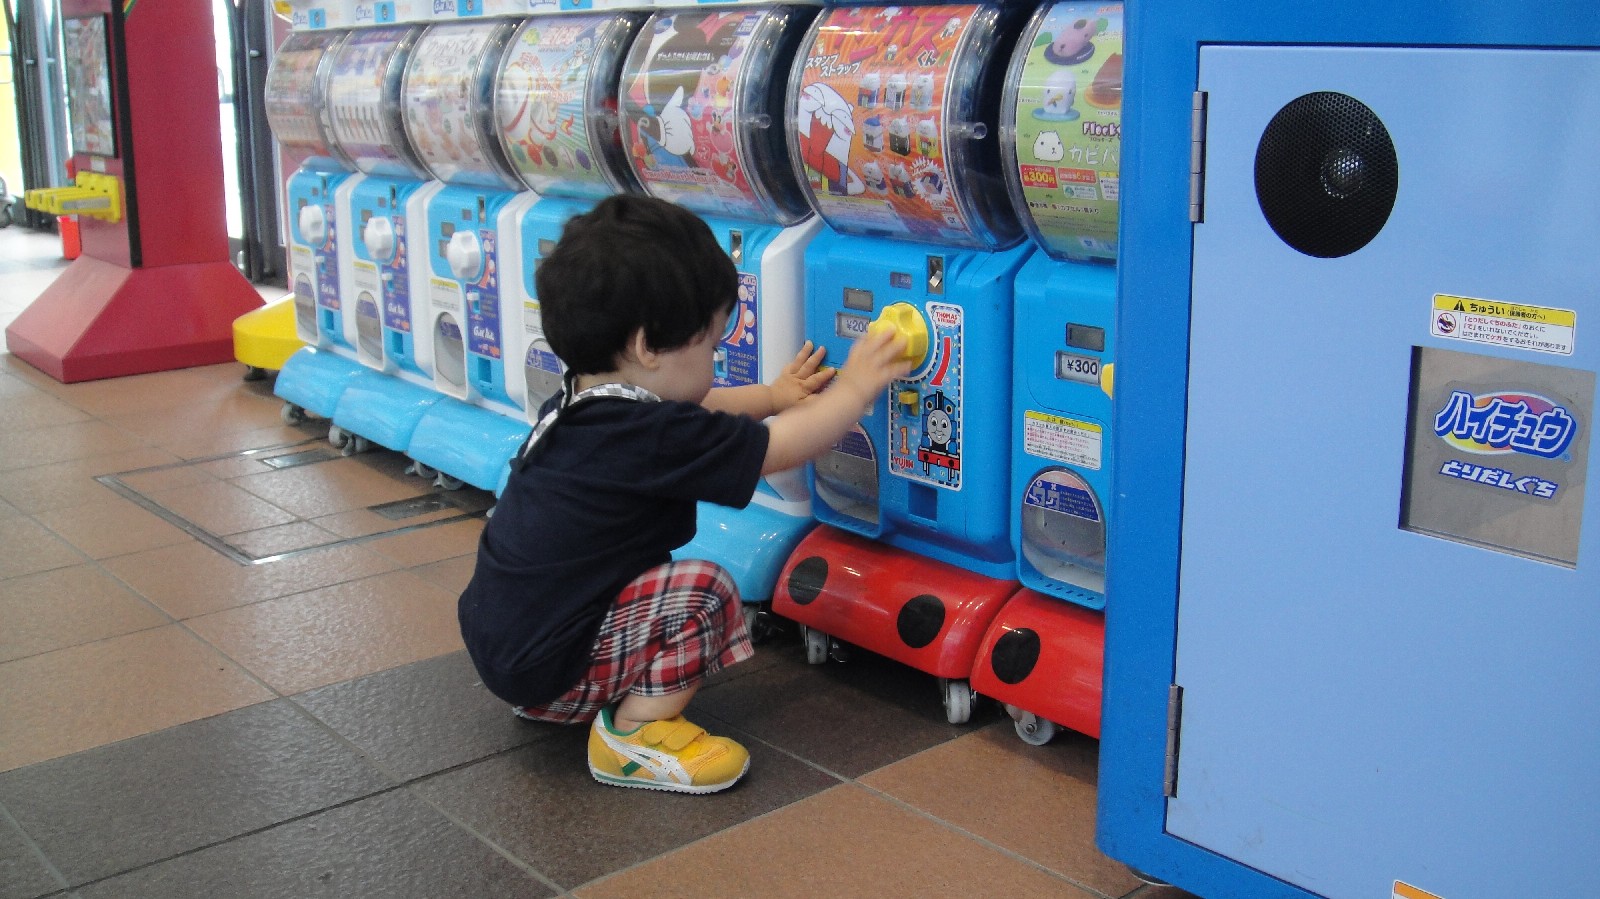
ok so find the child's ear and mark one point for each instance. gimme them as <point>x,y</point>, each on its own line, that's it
<point>639,349</point>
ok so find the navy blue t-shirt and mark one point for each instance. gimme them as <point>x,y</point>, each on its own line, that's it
<point>607,494</point>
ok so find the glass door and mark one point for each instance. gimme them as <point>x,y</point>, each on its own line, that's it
<point>244,46</point>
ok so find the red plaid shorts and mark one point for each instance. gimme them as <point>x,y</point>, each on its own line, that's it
<point>668,629</point>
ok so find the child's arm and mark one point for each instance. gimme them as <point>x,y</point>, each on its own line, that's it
<point>799,379</point>
<point>807,430</point>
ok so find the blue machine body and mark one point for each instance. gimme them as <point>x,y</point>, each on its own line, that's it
<point>387,321</point>
<point>927,469</point>
<point>465,440</point>
<point>384,403</point>
<point>475,211</point>
<point>1061,127</point>
<point>1351,650</point>
<point>1062,459</point>
<point>472,248</point>
<point>314,254</point>
<point>314,377</point>
<point>896,155</point>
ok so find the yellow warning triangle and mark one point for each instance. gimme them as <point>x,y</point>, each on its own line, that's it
<point>1459,307</point>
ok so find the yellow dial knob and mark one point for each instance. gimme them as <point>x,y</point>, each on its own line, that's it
<point>904,318</point>
<point>1107,377</point>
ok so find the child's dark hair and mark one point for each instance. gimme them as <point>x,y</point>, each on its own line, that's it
<point>632,262</point>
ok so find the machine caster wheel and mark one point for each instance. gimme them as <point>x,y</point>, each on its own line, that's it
<point>254,373</point>
<point>339,437</point>
<point>446,482</point>
<point>763,625</point>
<point>420,470</point>
<point>816,645</point>
<point>292,415</point>
<point>354,445</point>
<point>1033,730</point>
<point>958,697</point>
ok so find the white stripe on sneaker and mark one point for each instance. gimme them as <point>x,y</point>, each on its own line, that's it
<point>659,763</point>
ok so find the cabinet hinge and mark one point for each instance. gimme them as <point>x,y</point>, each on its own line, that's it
<point>1197,158</point>
<point>1169,780</point>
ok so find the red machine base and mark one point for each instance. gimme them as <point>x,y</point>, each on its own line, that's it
<point>920,612</point>
<point>1045,657</point>
<point>102,320</point>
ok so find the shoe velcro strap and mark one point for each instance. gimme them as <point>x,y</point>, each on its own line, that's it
<point>674,733</point>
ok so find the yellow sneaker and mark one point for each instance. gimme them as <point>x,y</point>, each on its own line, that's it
<point>671,754</point>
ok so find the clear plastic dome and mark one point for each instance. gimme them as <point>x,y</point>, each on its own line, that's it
<point>294,92</point>
<point>702,109</point>
<point>894,121</point>
<point>362,108</point>
<point>448,98</point>
<point>1061,129</point>
<point>556,103</point>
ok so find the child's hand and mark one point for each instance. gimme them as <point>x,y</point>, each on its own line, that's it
<point>807,430</point>
<point>803,376</point>
<point>877,358</point>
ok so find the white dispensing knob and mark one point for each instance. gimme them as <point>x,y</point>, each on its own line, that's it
<point>465,255</point>
<point>313,225</point>
<point>378,235</point>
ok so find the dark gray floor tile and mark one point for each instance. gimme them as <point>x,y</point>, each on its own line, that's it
<point>849,718</point>
<point>421,718</point>
<point>114,808</point>
<point>540,804</point>
<point>777,635</point>
<point>23,874</point>
<point>389,846</point>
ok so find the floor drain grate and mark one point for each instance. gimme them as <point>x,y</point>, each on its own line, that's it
<point>292,460</point>
<point>411,508</point>
<point>459,505</point>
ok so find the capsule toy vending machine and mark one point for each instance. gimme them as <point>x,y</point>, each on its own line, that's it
<point>314,377</point>
<point>472,252</point>
<point>556,111</point>
<point>1061,134</point>
<point>383,215</point>
<point>703,96</point>
<point>895,112</point>
<point>1354,580</point>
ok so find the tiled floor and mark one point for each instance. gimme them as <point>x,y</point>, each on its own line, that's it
<point>220,678</point>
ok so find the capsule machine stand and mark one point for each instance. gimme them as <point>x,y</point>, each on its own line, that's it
<point>472,251</point>
<point>382,216</point>
<point>313,378</point>
<point>895,115</point>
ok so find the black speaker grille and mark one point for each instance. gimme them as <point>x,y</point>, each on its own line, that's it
<point>1326,174</point>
